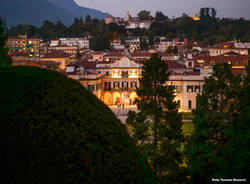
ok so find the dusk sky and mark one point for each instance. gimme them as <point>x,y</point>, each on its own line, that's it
<point>225,8</point>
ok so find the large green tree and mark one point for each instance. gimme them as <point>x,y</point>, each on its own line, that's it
<point>5,59</point>
<point>144,15</point>
<point>100,43</point>
<point>53,130</point>
<point>157,126</point>
<point>172,50</point>
<point>219,146</point>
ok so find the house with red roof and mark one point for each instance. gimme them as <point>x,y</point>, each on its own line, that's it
<point>59,57</point>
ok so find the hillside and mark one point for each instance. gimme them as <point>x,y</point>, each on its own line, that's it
<point>74,8</point>
<point>36,11</point>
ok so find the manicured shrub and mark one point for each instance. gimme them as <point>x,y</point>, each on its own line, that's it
<point>53,130</point>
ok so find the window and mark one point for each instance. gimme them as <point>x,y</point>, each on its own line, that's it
<point>197,89</point>
<point>124,84</point>
<point>98,86</point>
<point>189,104</point>
<point>124,74</point>
<point>133,84</point>
<point>190,89</point>
<point>107,72</point>
<point>133,73</point>
<point>116,84</point>
<point>107,85</point>
<point>91,87</point>
<point>190,64</point>
<point>116,73</point>
<point>99,71</point>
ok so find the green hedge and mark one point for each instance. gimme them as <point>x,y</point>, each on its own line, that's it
<point>52,130</point>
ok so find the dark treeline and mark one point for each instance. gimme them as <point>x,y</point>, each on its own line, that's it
<point>209,29</point>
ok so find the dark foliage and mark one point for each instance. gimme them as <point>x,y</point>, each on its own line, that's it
<point>99,43</point>
<point>157,126</point>
<point>5,59</point>
<point>53,130</point>
<point>219,146</point>
<point>209,29</point>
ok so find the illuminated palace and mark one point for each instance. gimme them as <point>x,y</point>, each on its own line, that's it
<point>114,77</point>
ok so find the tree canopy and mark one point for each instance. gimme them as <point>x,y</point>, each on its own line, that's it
<point>172,50</point>
<point>209,29</point>
<point>219,146</point>
<point>5,59</point>
<point>144,15</point>
<point>157,126</point>
<point>53,130</point>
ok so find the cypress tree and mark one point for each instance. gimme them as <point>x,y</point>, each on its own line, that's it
<point>157,126</point>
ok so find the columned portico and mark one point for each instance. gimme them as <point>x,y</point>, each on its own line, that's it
<point>125,98</point>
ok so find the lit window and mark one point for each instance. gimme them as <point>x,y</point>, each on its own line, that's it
<point>133,84</point>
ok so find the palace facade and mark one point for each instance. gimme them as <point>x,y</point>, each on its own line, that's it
<point>115,81</point>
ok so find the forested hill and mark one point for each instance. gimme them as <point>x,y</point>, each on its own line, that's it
<point>36,11</point>
<point>74,8</point>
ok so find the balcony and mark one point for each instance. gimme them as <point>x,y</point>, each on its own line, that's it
<point>119,89</point>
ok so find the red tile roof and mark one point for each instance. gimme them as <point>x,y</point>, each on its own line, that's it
<point>26,63</point>
<point>84,63</point>
<point>48,63</point>
<point>175,64</point>
<point>114,54</point>
<point>57,54</point>
<point>235,60</point>
<point>193,73</point>
<point>35,63</point>
<point>141,54</point>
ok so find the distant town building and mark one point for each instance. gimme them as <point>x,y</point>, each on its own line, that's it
<point>59,57</point>
<point>215,51</point>
<point>78,42</point>
<point>127,17</point>
<point>22,43</point>
<point>113,77</point>
<point>133,43</point>
<point>133,24</point>
<point>163,44</point>
<point>117,20</point>
<point>195,17</point>
<point>71,50</point>
<point>130,23</point>
<point>117,44</point>
<point>242,45</point>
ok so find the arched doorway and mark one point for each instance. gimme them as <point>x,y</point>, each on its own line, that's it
<point>107,98</point>
<point>116,98</point>
<point>133,96</point>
